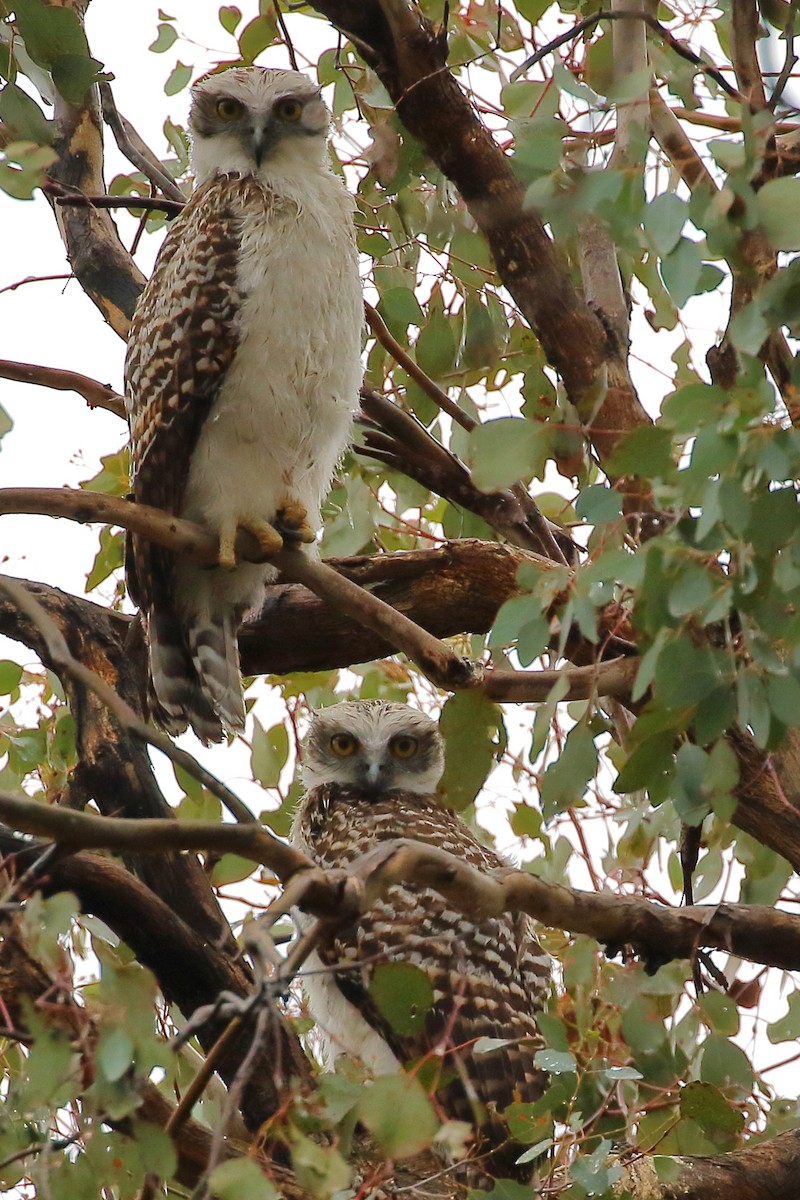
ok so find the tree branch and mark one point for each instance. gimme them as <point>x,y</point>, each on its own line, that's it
<point>135,149</point>
<point>659,934</point>
<point>96,395</point>
<point>444,668</point>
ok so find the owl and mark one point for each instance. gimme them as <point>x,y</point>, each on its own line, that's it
<point>372,769</point>
<point>241,377</point>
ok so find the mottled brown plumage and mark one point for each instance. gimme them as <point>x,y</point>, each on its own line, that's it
<point>489,977</point>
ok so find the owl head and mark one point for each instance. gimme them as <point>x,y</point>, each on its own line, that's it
<point>374,745</point>
<point>254,119</point>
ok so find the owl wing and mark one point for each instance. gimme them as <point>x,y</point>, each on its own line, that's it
<point>182,341</point>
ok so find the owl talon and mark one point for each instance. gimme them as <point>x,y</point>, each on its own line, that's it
<point>292,521</point>
<point>269,541</point>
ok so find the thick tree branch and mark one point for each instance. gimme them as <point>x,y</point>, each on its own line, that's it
<point>398,439</point>
<point>409,56</point>
<point>99,261</point>
<point>444,668</point>
<point>768,1170</point>
<point>756,932</point>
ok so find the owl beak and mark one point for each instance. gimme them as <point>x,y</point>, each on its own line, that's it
<point>259,144</point>
<point>373,776</point>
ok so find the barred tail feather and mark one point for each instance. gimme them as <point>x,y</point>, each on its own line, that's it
<point>215,658</point>
<point>176,697</point>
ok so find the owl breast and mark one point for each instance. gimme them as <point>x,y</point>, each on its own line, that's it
<point>282,417</point>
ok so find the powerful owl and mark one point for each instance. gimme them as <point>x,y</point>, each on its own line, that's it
<point>242,373</point>
<point>372,769</point>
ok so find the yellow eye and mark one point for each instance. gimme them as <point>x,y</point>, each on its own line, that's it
<point>229,109</point>
<point>343,745</point>
<point>288,109</point>
<point>404,746</point>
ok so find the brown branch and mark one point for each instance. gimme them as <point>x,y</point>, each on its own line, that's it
<point>135,149</point>
<point>65,664</point>
<point>396,438</point>
<point>444,668</point>
<point>143,203</point>
<point>758,933</point>
<point>435,393</point>
<point>768,1170</point>
<point>453,589</point>
<point>96,395</point>
<point>99,261</point>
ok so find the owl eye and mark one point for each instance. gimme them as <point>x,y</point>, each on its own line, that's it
<point>404,746</point>
<point>229,109</point>
<point>288,109</point>
<point>343,745</point>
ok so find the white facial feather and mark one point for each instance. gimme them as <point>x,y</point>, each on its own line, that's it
<point>289,148</point>
<point>377,729</point>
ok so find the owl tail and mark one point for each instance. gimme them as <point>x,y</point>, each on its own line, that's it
<point>215,658</point>
<point>194,677</point>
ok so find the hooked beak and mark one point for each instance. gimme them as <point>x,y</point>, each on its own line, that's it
<point>259,144</point>
<point>373,774</point>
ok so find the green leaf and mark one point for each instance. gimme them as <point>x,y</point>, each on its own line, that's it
<point>320,1170</point>
<point>778,207</point>
<point>680,270</point>
<point>403,995</point>
<point>178,79</point>
<point>10,675</point>
<point>167,36</point>
<point>564,782</point>
<point>400,308</point>
<point>435,348</point>
<point>229,17</point>
<point>114,1053</point>
<point>256,36</point>
<point>269,754</point>
<point>49,32</point>
<point>646,452</point>
<point>664,219</point>
<point>24,117</point>
<point>705,1104</point>
<point>399,1115</point>
<point>725,1064</point>
<point>598,505</point>
<point>474,735</point>
<point>555,1062</point>
<point>231,868</point>
<point>240,1179</point>
<point>720,1012</point>
<point>787,1027</point>
<point>506,449</point>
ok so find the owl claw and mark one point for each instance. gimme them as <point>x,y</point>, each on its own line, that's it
<point>269,541</point>
<point>292,521</point>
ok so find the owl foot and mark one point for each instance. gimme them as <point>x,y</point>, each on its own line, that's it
<point>269,541</point>
<point>292,521</point>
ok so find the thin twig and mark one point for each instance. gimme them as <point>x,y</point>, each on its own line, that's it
<point>679,47</point>
<point>63,661</point>
<point>135,149</point>
<point>148,203</point>
<point>12,287</point>
<point>96,394</point>
<point>404,359</point>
